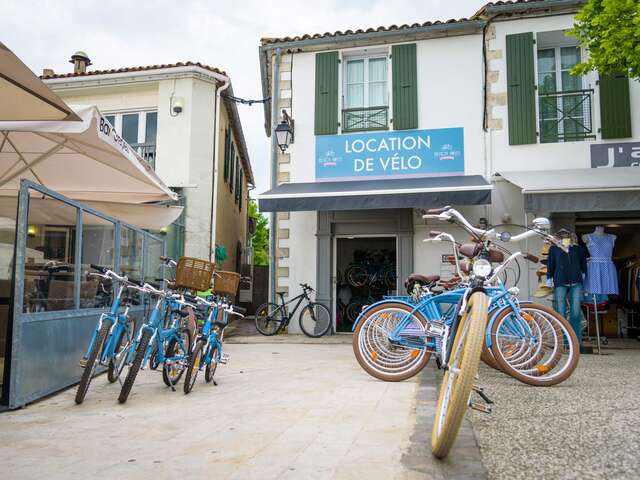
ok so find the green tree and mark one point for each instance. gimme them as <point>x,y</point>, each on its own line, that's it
<point>260,239</point>
<point>610,31</point>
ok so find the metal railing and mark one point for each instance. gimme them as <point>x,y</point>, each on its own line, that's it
<point>566,116</point>
<point>362,119</point>
<point>147,151</point>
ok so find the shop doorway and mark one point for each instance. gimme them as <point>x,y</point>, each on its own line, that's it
<point>365,270</point>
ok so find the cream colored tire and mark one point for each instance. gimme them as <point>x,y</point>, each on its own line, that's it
<point>459,378</point>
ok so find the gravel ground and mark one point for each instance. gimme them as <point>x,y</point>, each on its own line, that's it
<point>586,428</point>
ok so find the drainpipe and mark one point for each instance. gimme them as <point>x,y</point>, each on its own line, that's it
<point>275,99</point>
<point>216,149</point>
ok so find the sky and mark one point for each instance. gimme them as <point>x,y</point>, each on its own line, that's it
<point>221,33</point>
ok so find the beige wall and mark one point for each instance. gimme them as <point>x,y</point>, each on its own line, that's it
<point>231,223</point>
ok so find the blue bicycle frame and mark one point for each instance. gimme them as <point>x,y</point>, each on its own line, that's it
<point>160,335</point>
<point>118,328</point>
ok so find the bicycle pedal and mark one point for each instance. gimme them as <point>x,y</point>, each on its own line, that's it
<point>224,358</point>
<point>480,407</point>
<point>480,391</point>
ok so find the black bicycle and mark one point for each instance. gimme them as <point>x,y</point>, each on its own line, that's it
<point>315,318</point>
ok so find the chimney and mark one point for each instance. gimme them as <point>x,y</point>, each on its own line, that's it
<point>80,62</point>
<point>47,72</point>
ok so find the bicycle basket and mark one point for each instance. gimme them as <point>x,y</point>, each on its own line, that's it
<point>226,283</point>
<point>194,274</point>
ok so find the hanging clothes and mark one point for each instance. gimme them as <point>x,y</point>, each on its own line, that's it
<point>567,268</point>
<point>602,277</point>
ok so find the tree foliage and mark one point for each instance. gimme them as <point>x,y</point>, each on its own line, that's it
<point>610,31</point>
<point>260,239</point>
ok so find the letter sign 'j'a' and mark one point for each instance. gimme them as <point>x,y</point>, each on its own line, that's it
<point>415,153</point>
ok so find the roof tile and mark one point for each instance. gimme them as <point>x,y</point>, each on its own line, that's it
<point>141,68</point>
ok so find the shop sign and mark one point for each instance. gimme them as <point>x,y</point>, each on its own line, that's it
<point>611,155</point>
<point>365,156</point>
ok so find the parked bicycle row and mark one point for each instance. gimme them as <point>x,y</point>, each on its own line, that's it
<point>182,332</point>
<point>471,317</point>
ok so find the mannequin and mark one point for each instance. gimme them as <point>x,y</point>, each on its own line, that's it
<point>567,270</point>
<point>602,278</point>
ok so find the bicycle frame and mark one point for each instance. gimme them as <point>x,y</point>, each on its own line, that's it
<point>118,327</point>
<point>283,306</point>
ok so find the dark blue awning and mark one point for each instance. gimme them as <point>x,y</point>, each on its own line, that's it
<point>428,192</point>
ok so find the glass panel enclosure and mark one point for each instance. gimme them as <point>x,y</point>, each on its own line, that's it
<point>153,270</point>
<point>7,244</point>
<point>131,253</point>
<point>98,247</point>
<point>49,278</point>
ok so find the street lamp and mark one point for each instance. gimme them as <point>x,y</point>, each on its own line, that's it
<point>284,131</point>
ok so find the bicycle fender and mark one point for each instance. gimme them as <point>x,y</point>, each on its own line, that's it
<point>369,307</point>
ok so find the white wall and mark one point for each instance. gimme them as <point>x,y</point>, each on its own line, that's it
<point>547,156</point>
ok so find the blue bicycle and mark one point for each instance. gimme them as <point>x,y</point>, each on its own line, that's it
<point>112,337</point>
<point>173,344</point>
<point>207,351</point>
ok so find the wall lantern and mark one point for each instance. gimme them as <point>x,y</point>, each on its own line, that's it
<point>32,231</point>
<point>284,131</point>
<point>164,230</point>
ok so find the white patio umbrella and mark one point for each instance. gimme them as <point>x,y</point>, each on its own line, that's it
<point>23,96</point>
<point>86,161</point>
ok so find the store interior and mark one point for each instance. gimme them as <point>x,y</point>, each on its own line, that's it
<point>365,272</point>
<point>619,314</point>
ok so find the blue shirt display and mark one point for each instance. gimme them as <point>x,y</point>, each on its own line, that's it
<point>567,268</point>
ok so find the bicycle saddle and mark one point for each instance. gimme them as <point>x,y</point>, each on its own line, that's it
<point>422,279</point>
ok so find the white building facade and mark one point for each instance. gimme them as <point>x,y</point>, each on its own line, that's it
<point>389,122</point>
<point>180,119</point>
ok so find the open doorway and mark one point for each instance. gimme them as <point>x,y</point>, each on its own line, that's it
<point>365,272</point>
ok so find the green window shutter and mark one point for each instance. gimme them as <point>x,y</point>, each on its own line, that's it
<point>405,86</point>
<point>326,110</point>
<point>240,189</point>
<point>227,141</point>
<point>232,156</point>
<point>615,106</point>
<point>521,89</point>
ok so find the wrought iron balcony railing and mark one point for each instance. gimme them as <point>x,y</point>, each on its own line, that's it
<point>363,119</point>
<point>566,116</point>
<point>147,151</point>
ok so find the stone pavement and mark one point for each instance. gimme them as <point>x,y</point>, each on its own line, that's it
<point>280,411</point>
<point>585,428</point>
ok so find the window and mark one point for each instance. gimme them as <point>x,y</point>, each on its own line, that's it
<point>564,106</point>
<point>231,173</point>
<point>237,183</point>
<point>111,119</point>
<point>151,128</point>
<point>130,128</point>
<point>240,189</point>
<point>366,96</point>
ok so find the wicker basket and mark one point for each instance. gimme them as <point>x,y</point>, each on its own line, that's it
<point>226,283</point>
<point>194,274</point>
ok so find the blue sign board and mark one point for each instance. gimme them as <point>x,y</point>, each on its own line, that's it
<point>414,153</point>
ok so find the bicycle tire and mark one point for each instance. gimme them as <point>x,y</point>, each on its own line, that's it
<point>310,309</point>
<point>141,350</point>
<point>170,352</point>
<point>356,275</point>
<point>388,376</point>
<point>541,381</point>
<point>263,314</point>
<point>195,361</point>
<point>210,371</point>
<point>465,353</point>
<point>115,369</point>
<point>90,366</point>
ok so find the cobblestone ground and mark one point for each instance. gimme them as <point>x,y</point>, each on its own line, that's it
<point>586,428</point>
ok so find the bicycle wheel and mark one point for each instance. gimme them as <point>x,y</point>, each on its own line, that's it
<point>141,350</point>
<point>357,276</point>
<point>176,357</point>
<point>121,352</point>
<point>210,371</point>
<point>269,319</point>
<point>195,362</point>
<point>459,377</point>
<point>315,320</point>
<point>90,366</point>
<point>381,358</point>
<point>546,356</point>
<point>353,310</point>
